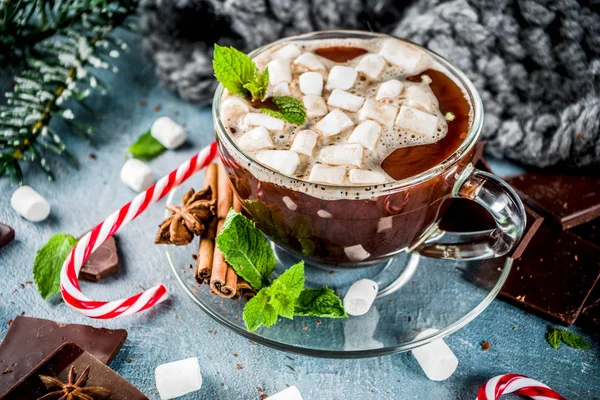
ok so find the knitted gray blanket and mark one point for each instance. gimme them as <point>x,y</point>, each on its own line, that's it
<point>535,63</point>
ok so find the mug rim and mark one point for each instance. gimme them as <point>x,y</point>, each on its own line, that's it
<point>438,169</point>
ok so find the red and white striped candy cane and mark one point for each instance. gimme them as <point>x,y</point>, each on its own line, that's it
<point>69,282</point>
<point>519,384</point>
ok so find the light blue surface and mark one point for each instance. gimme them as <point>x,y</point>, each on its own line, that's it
<point>82,197</point>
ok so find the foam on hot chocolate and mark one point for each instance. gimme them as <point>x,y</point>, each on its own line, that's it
<point>358,112</point>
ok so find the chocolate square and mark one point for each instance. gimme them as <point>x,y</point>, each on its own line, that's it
<point>102,263</point>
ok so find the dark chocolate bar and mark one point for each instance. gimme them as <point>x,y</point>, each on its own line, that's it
<point>589,231</point>
<point>30,340</point>
<point>102,263</point>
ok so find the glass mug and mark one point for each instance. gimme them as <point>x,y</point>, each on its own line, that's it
<point>372,223</point>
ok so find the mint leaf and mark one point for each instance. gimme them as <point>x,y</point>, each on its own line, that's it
<point>290,283</point>
<point>320,303</point>
<point>246,249</point>
<point>49,261</point>
<point>574,340</point>
<point>258,86</point>
<point>258,312</point>
<point>146,147</point>
<point>554,337</point>
<point>283,305</point>
<point>234,70</point>
<point>290,109</point>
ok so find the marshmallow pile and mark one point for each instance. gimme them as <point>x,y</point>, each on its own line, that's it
<point>358,112</point>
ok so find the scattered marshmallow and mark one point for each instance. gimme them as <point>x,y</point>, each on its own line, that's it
<point>362,293</point>
<point>279,71</point>
<point>323,213</point>
<point>333,123</point>
<point>305,142</point>
<point>269,122</point>
<point>289,203</point>
<point>287,51</point>
<point>371,65</point>
<point>281,89</point>
<point>385,223</point>
<point>361,176</point>
<point>29,204</point>
<point>344,100</point>
<point>401,54</point>
<point>290,393</point>
<point>232,106</point>
<point>137,175</point>
<point>341,77</point>
<point>284,161</point>
<point>342,154</point>
<point>178,378</point>
<point>311,83</point>
<point>389,89</point>
<point>256,139</point>
<point>309,61</point>
<point>366,134</point>
<point>168,132</point>
<point>315,106</point>
<point>436,359</point>
<point>326,174</point>
<point>381,112</point>
<point>417,97</point>
<point>417,121</point>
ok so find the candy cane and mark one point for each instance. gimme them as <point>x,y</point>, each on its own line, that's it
<point>69,281</point>
<point>520,384</point>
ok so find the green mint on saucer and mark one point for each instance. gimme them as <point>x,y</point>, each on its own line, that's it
<point>49,261</point>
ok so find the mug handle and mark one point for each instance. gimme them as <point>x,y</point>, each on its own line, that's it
<point>503,204</point>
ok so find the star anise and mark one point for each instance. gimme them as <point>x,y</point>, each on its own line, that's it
<point>187,220</point>
<point>73,389</point>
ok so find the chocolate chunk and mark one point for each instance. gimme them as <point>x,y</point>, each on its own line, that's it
<point>553,277</point>
<point>590,315</point>
<point>30,340</point>
<point>568,199</point>
<point>589,231</point>
<point>69,357</point>
<point>534,221</point>
<point>7,235</point>
<point>103,262</point>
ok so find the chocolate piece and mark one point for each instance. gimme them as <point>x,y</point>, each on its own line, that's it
<point>590,315</point>
<point>589,231</point>
<point>553,277</point>
<point>534,221</point>
<point>58,364</point>
<point>568,199</point>
<point>103,262</point>
<point>30,340</point>
<point>7,235</point>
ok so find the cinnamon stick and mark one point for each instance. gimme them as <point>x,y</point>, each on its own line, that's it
<point>237,204</point>
<point>223,280</point>
<point>204,261</point>
<point>225,195</point>
<point>245,290</point>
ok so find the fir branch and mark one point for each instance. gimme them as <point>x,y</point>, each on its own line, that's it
<point>57,69</point>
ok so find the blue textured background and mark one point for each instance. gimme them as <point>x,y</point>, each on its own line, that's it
<point>82,197</point>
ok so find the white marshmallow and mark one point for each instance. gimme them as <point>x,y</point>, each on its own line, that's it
<point>309,61</point>
<point>333,123</point>
<point>371,65</point>
<point>416,97</point>
<point>256,139</point>
<point>366,134</point>
<point>279,71</point>
<point>341,77</point>
<point>177,378</point>
<point>417,121</point>
<point>389,89</point>
<point>232,106</point>
<point>385,223</point>
<point>289,203</point>
<point>311,83</point>
<point>305,142</point>
<point>284,161</point>
<point>342,154</point>
<point>281,89</point>
<point>137,175</point>
<point>361,176</point>
<point>260,119</point>
<point>326,174</point>
<point>344,100</point>
<point>323,213</point>
<point>362,293</point>
<point>291,393</point>
<point>29,204</point>
<point>381,112</point>
<point>436,359</point>
<point>287,51</point>
<point>401,54</point>
<point>168,132</point>
<point>315,106</point>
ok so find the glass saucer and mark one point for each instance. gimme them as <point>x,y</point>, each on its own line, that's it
<point>415,293</point>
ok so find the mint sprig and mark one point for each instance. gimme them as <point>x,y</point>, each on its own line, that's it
<point>238,74</point>
<point>556,336</point>
<point>290,109</point>
<point>320,303</point>
<point>146,147</point>
<point>49,261</point>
